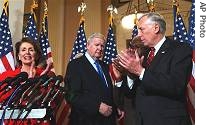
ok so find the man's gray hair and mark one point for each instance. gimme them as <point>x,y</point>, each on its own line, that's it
<point>96,35</point>
<point>158,19</point>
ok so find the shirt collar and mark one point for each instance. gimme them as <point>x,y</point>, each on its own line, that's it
<point>90,59</point>
<point>157,47</point>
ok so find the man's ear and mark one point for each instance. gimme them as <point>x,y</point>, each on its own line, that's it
<point>156,28</point>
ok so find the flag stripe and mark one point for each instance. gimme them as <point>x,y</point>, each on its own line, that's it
<point>65,112</point>
<point>6,63</point>
<point>2,68</point>
<point>10,59</point>
<point>191,109</point>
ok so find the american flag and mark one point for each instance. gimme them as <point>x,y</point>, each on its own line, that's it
<point>191,85</point>
<point>135,31</point>
<point>80,42</point>
<point>44,42</point>
<point>6,49</point>
<point>180,34</point>
<point>110,51</point>
<point>31,29</point>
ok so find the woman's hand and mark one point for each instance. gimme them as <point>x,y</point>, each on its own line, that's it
<point>48,68</point>
<point>32,70</point>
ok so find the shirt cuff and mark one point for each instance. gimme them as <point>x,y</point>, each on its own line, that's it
<point>118,84</point>
<point>130,82</point>
<point>142,74</point>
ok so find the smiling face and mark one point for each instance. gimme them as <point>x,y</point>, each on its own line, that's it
<point>26,53</point>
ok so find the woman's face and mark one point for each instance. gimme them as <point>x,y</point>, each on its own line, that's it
<point>26,54</point>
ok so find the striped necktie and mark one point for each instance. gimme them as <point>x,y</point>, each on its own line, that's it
<point>150,56</point>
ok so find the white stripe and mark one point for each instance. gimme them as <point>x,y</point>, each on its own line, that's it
<point>193,69</point>
<point>2,68</point>
<point>11,61</point>
<point>49,50</point>
<point>191,95</point>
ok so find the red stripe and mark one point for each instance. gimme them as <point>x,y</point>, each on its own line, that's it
<point>49,55</point>
<point>112,72</point>
<point>192,83</point>
<point>193,53</point>
<point>191,109</point>
<point>64,114</point>
<point>6,63</point>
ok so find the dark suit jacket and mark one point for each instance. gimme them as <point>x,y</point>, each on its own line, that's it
<point>160,95</point>
<point>85,92</point>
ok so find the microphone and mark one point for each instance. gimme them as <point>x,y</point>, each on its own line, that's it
<point>42,79</point>
<point>23,76</point>
<point>58,79</point>
<point>60,90</point>
<point>27,84</point>
<point>8,79</point>
<point>48,81</point>
<point>29,107</point>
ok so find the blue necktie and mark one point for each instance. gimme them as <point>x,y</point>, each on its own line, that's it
<point>100,72</point>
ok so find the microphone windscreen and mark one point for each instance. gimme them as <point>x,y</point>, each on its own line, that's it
<point>44,77</point>
<point>32,80</point>
<point>59,77</point>
<point>23,76</point>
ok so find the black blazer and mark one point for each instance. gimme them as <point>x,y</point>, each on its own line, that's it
<point>160,95</point>
<point>85,92</point>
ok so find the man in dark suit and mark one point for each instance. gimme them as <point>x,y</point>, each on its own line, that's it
<point>89,87</point>
<point>160,77</point>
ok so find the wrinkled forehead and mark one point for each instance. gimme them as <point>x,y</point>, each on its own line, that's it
<point>96,40</point>
<point>144,20</point>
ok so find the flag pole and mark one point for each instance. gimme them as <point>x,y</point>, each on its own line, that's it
<point>33,7</point>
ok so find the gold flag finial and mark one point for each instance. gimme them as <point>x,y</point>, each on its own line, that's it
<point>151,5</point>
<point>111,9</point>
<point>6,9</point>
<point>33,7</point>
<point>45,7</point>
<point>45,15</point>
<point>176,4</point>
<point>81,10</point>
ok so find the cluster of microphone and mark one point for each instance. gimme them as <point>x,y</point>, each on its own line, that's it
<point>21,92</point>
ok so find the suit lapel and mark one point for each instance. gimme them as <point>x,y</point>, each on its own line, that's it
<point>88,66</point>
<point>161,53</point>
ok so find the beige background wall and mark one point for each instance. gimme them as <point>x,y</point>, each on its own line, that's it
<point>16,11</point>
<point>64,22</point>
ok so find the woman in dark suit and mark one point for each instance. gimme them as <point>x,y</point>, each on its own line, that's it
<point>89,94</point>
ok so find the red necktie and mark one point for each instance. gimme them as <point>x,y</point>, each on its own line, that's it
<point>150,56</point>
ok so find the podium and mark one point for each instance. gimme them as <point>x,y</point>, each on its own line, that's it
<point>34,113</point>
